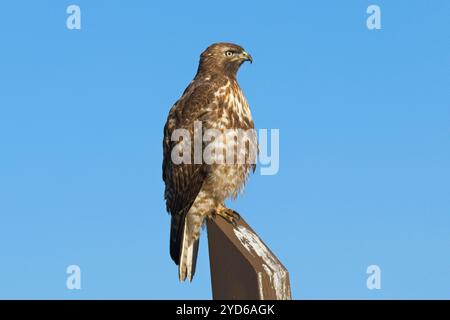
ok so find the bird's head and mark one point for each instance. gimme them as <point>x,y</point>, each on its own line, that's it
<point>224,58</point>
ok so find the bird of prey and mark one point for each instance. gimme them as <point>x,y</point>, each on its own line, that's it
<point>195,191</point>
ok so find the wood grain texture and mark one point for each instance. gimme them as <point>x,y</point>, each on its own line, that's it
<point>242,266</point>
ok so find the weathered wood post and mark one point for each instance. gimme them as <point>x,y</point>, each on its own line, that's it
<point>242,266</point>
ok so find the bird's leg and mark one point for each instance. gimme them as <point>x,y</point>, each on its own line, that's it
<point>229,215</point>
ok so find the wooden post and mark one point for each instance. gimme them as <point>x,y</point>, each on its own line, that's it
<point>242,266</point>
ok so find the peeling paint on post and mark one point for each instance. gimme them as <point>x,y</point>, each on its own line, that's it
<point>242,266</point>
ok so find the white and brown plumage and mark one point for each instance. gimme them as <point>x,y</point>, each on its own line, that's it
<point>196,191</point>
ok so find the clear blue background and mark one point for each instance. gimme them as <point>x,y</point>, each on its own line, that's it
<point>364,119</point>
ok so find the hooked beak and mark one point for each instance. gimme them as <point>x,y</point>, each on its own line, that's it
<point>247,57</point>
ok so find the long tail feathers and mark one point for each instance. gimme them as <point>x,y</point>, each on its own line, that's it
<point>188,256</point>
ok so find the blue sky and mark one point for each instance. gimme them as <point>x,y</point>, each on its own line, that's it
<point>364,119</point>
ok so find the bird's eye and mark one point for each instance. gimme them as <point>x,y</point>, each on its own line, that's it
<point>229,53</point>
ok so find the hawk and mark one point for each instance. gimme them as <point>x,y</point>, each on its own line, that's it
<point>196,190</point>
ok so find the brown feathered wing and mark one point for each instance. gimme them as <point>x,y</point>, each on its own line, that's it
<point>184,181</point>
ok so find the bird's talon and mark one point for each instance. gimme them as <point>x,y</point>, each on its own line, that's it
<point>229,215</point>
